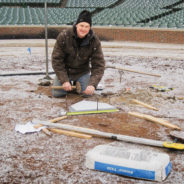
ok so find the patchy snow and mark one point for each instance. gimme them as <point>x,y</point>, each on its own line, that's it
<point>37,158</point>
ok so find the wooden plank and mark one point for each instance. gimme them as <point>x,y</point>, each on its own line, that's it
<point>154,119</point>
<point>59,131</point>
<point>144,104</point>
<point>57,119</point>
<point>70,133</point>
<point>129,70</point>
<point>44,130</point>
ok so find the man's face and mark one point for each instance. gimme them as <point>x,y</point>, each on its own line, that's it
<point>82,29</point>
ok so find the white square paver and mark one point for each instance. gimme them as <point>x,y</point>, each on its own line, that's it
<point>90,106</point>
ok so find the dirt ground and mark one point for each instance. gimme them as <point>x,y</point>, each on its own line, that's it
<point>38,158</point>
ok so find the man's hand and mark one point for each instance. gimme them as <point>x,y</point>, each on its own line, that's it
<point>89,90</point>
<point>67,86</point>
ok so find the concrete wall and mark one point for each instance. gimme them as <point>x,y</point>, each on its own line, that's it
<point>175,36</point>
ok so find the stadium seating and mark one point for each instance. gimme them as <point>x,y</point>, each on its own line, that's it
<point>11,2</point>
<point>90,3</point>
<point>142,13</point>
<point>128,13</point>
<point>60,16</point>
<point>35,16</point>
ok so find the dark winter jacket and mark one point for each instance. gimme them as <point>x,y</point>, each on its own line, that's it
<point>73,57</point>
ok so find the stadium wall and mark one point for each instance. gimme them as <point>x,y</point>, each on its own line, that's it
<point>175,36</point>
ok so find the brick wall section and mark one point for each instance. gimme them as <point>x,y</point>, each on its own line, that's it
<point>141,34</point>
<point>175,36</point>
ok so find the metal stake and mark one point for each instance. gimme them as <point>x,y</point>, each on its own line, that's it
<point>97,103</point>
<point>120,73</point>
<point>66,102</point>
<point>46,43</point>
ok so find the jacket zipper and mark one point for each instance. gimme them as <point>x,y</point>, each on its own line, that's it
<point>77,52</point>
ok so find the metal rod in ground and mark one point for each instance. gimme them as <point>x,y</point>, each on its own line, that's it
<point>120,75</point>
<point>46,42</point>
<point>97,103</point>
<point>26,73</point>
<point>66,102</point>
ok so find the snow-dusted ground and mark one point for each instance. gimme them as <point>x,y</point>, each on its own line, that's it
<point>36,158</point>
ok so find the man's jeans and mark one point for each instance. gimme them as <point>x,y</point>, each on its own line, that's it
<point>84,80</point>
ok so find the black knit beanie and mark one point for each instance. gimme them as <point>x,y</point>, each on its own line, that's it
<point>84,16</point>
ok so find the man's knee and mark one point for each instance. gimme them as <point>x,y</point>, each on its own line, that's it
<point>57,93</point>
<point>84,80</point>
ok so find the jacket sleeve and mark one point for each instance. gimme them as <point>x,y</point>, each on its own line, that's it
<point>58,56</point>
<point>97,64</point>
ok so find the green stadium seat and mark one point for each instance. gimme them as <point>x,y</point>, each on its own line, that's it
<point>130,13</point>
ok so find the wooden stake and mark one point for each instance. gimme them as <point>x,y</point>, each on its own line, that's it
<point>59,131</point>
<point>70,133</point>
<point>154,119</point>
<point>180,98</point>
<point>44,130</point>
<point>129,70</point>
<point>65,132</point>
<point>57,119</point>
<point>144,104</point>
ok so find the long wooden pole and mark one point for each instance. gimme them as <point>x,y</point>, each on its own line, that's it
<point>154,119</point>
<point>144,104</point>
<point>57,119</point>
<point>129,70</point>
<point>70,133</point>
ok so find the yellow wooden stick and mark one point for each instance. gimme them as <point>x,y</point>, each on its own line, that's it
<point>154,119</point>
<point>144,104</point>
<point>57,119</point>
<point>70,133</point>
<point>130,70</point>
<point>64,132</point>
<point>44,130</point>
